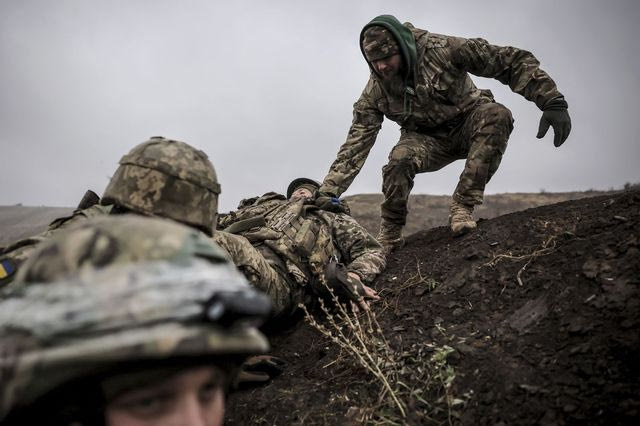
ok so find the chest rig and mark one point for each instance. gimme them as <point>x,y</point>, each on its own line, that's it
<point>304,240</point>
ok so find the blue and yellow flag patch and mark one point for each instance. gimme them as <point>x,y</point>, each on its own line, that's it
<point>7,268</point>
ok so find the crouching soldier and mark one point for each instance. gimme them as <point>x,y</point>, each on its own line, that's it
<point>125,321</point>
<point>299,249</point>
<point>421,81</point>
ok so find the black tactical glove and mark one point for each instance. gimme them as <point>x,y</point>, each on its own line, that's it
<point>555,114</point>
<point>344,286</point>
<point>331,203</point>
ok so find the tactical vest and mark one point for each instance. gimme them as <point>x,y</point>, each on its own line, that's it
<point>300,237</point>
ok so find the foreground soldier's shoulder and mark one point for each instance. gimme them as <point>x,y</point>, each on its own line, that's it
<point>96,210</point>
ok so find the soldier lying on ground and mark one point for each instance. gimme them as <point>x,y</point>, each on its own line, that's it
<point>171,179</point>
<point>125,321</point>
<point>421,81</point>
<point>160,177</point>
<point>299,248</point>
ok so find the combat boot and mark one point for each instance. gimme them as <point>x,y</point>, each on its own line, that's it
<point>461,219</point>
<point>390,236</point>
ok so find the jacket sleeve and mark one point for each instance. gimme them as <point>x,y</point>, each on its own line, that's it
<point>512,66</point>
<point>224,221</point>
<point>361,252</point>
<point>367,120</point>
<point>17,253</point>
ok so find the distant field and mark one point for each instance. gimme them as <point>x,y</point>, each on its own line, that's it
<point>426,211</point>
<point>17,222</point>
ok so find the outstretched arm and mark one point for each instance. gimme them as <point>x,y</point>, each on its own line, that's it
<point>362,254</point>
<point>521,71</point>
<point>367,120</point>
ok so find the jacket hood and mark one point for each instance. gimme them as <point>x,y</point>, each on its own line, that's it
<point>403,36</point>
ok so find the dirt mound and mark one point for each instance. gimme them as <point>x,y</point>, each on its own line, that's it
<point>531,319</point>
<point>429,211</point>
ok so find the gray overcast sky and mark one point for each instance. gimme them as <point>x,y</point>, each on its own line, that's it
<point>266,89</point>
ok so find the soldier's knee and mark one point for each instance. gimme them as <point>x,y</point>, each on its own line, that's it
<point>500,116</point>
<point>401,155</point>
<point>397,171</point>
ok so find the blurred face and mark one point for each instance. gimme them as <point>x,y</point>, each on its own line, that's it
<point>194,396</point>
<point>301,193</point>
<point>389,66</point>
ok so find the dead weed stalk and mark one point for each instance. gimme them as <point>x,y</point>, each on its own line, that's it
<point>547,247</point>
<point>406,378</point>
<point>363,340</point>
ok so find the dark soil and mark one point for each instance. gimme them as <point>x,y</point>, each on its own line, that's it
<point>562,346</point>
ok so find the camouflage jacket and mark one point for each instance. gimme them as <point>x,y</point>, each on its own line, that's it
<point>442,93</point>
<point>15,254</point>
<point>305,237</point>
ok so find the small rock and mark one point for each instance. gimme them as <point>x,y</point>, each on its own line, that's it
<point>627,323</point>
<point>590,268</point>
<point>457,312</point>
<point>621,218</point>
<point>465,349</point>
<point>420,291</point>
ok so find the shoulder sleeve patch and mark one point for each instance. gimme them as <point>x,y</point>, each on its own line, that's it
<point>7,268</point>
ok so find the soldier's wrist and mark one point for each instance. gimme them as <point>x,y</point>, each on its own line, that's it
<point>555,104</point>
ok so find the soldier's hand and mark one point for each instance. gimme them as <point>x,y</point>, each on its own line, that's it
<point>330,202</point>
<point>369,294</point>
<point>560,121</point>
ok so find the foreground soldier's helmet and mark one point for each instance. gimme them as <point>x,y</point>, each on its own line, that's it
<point>167,178</point>
<point>296,183</point>
<point>117,291</point>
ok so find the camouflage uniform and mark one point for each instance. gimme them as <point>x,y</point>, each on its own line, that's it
<point>443,116</point>
<point>294,244</point>
<point>159,177</point>
<point>116,293</point>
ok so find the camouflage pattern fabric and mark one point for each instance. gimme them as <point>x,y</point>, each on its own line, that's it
<point>260,273</point>
<point>110,240</point>
<point>119,289</point>
<point>167,178</point>
<point>159,177</point>
<point>19,252</point>
<point>379,43</point>
<point>444,95</point>
<point>297,242</point>
<point>481,139</point>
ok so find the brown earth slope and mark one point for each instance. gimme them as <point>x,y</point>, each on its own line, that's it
<point>429,211</point>
<point>531,319</point>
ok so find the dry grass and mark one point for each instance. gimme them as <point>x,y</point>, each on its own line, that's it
<point>413,384</point>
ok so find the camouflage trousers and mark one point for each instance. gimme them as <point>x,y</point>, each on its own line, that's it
<point>481,138</point>
<point>285,295</point>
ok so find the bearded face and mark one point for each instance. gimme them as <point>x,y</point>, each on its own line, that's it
<point>391,71</point>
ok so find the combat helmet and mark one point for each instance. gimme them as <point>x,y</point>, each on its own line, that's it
<point>296,183</point>
<point>167,178</point>
<point>121,290</point>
